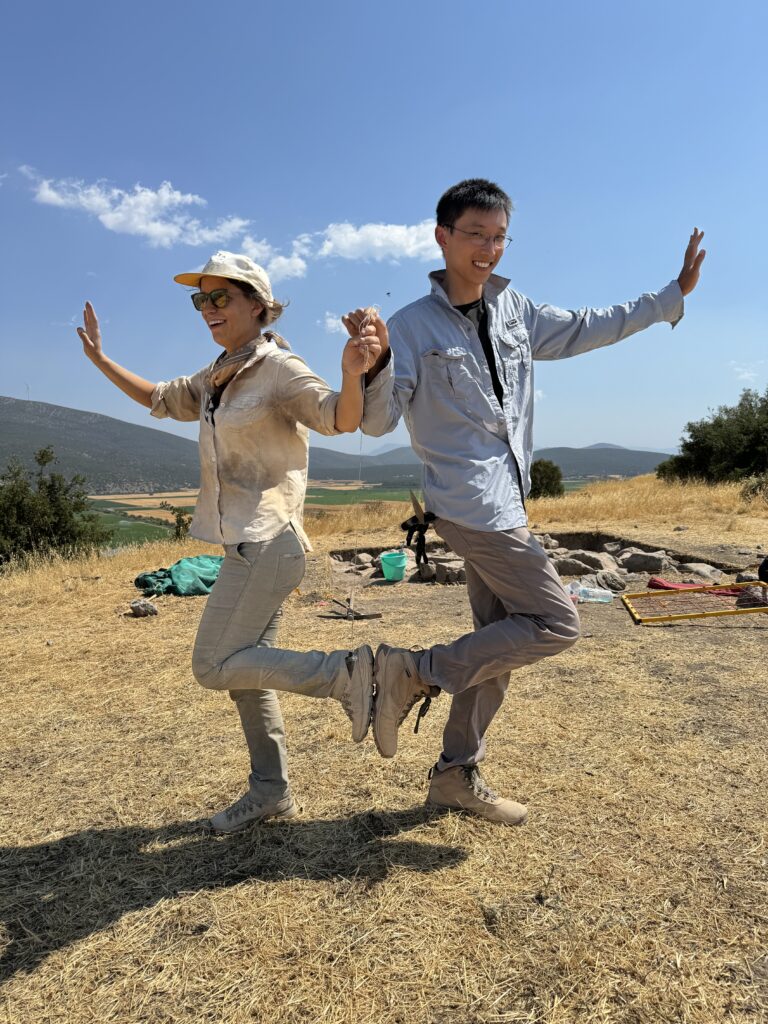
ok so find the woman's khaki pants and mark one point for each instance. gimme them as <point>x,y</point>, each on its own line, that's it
<point>235,650</point>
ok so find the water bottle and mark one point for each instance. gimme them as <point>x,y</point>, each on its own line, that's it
<point>593,595</point>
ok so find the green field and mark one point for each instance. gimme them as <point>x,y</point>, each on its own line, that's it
<point>332,496</point>
<point>130,531</point>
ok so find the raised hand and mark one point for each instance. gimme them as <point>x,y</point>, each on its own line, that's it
<point>90,334</point>
<point>689,275</point>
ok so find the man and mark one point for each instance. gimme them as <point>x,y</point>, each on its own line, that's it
<point>462,377</point>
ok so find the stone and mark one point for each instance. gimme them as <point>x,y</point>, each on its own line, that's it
<point>610,581</point>
<point>747,577</point>
<point>752,597</point>
<point>448,572</point>
<point>596,559</point>
<point>141,608</point>
<point>613,547</point>
<point>645,561</point>
<point>547,542</point>
<point>362,558</point>
<point>571,566</point>
<point>702,570</point>
<point>427,572</point>
<point>680,529</point>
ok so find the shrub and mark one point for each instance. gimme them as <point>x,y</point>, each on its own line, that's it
<point>182,520</point>
<point>730,445</point>
<point>546,480</point>
<point>45,513</point>
<point>756,489</point>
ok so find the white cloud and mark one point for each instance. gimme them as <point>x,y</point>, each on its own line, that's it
<point>278,267</point>
<point>748,373</point>
<point>159,215</point>
<point>331,323</point>
<point>538,395</point>
<point>380,241</point>
<point>164,217</point>
<point>259,251</point>
<point>2,178</point>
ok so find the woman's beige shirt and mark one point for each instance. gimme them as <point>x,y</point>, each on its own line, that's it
<point>254,449</point>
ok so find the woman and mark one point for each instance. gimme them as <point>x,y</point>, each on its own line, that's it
<point>255,403</point>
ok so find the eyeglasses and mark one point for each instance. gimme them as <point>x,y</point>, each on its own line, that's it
<point>480,238</point>
<point>220,297</point>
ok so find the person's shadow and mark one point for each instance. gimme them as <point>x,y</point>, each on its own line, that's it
<point>56,893</point>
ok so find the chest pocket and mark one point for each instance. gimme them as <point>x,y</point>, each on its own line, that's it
<point>454,373</point>
<point>515,352</point>
<point>241,412</point>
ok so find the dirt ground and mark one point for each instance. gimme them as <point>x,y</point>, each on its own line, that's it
<point>636,893</point>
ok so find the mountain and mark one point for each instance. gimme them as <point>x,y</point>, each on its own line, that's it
<point>117,457</point>
<point>605,460</point>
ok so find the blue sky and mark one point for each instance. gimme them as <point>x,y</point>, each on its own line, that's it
<point>138,140</point>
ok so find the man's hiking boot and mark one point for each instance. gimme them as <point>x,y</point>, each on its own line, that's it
<point>464,789</point>
<point>398,687</point>
<point>249,810</point>
<point>355,690</point>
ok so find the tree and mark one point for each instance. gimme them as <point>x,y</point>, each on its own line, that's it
<point>44,512</point>
<point>181,520</point>
<point>731,444</point>
<point>546,480</point>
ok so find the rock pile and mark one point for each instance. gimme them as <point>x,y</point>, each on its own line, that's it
<point>613,568</point>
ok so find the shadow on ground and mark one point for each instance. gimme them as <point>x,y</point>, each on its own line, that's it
<point>55,894</point>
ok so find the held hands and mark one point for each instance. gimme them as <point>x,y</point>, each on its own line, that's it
<point>90,334</point>
<point>689,275</point>
<point>368,341</point>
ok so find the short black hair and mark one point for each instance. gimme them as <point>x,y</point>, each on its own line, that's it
<point>477,193</point>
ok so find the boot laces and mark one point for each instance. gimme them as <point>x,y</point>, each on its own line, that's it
<point>241,807</point>
<point>478,784</point>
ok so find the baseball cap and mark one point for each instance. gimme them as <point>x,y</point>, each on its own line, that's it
<point>235,266</point>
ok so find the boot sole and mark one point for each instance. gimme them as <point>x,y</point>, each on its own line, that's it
<point>369,682</point>
<point>376,706</point>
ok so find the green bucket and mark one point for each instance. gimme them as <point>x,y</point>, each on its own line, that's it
<point>393,565</point>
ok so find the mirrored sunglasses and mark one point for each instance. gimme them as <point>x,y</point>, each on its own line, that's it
<point>220,297</point>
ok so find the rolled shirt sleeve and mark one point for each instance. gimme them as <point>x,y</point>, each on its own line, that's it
<point>559,333</point>
<point>178,399</point>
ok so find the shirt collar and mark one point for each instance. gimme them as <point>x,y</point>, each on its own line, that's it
<point>493,287</point>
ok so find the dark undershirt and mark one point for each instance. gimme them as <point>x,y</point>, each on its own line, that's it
<point>477,313</point>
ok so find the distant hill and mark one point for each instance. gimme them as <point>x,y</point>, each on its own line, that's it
<point>602,460</point>
<point>117,457</point>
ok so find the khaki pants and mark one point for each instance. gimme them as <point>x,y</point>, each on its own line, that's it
<point>521,613</point>
<point>234,650</point>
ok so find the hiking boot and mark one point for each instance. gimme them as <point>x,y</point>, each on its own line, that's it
<point>249,810</point>
<point>356,692</point>
<point>398,687</point>
<point>464,789</point>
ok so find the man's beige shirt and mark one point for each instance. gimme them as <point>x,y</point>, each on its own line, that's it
<point>254,449</point>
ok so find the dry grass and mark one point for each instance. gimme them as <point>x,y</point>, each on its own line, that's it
<point>636,894</point>
<point>712,514</point>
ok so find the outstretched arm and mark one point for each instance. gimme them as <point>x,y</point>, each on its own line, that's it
<point>135,387</point>
<point>561,333</point>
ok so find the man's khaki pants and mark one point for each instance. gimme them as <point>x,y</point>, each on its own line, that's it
<point>521,613</point>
